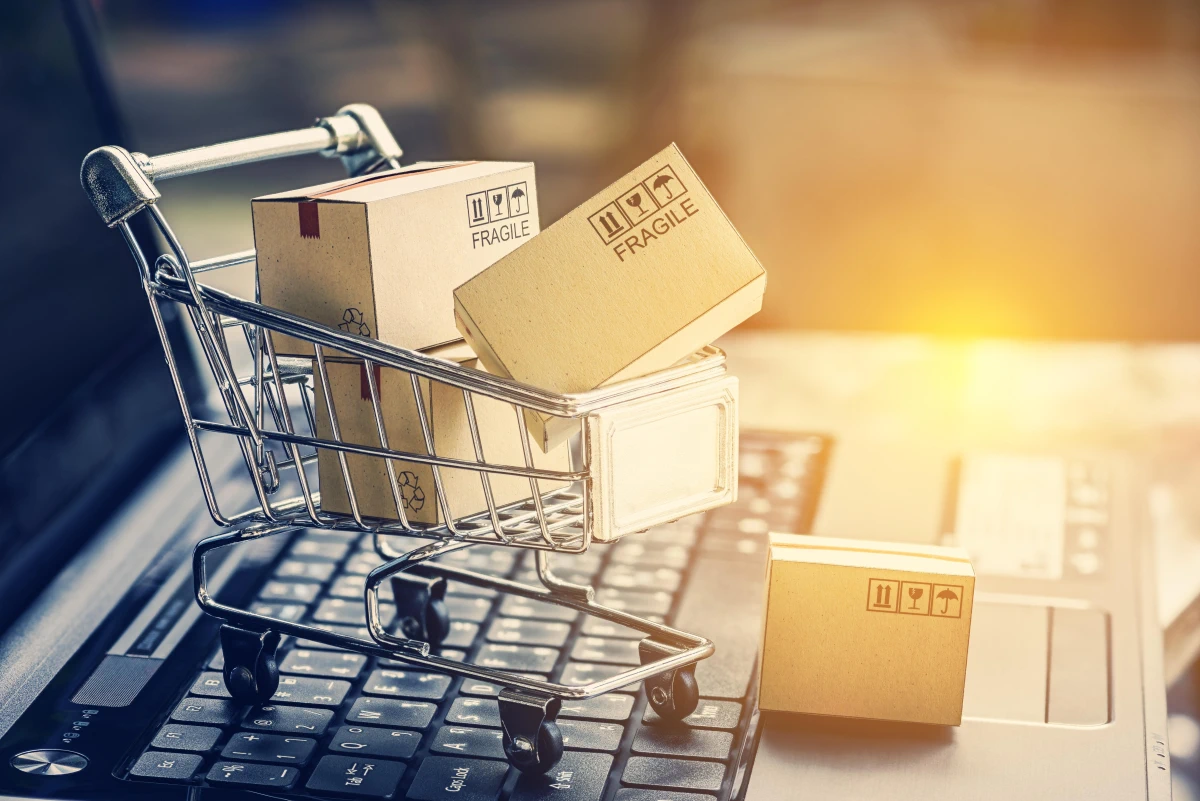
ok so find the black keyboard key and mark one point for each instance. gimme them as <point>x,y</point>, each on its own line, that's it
<point>682,741</point>
<point>161,765</point>
<point>290,719</point>
<point>461,635</point>
<point>356,632</point>
<point>470,590</point>
<point>292,613</point>
<point>474,712</point>
<point>732,620</point>
<point>577,674</point>
<point>472,610</point>
<point>531,659</point>
<point>259,747</point>
<point>302,592</point>
<point>651,555</point>
<point>354,587</point>
<point>528,632</point>
<point>678,774</point>
<point>610,706</point>
<point>391,712</point>
<point>577,777</point>
<point>442,777</point>
<point>589,735</point>
<point>351,612</point>
<point>515,606</point>
<point>246,774</point>
<point>217,711</point>
<point>298,570</point>
<point>489,690</point>
<point>362,563</point>
<point>469,741</point>
<point>408,684</point>
<point>358,776</point>
<point>373,741</point>
<point>611,652</point>
<point>482,559</point>
<point>181,737</point>
<point>308,549</point>
<point>639,794</point>
<point>327,663</point>
<point>708,715</point>
<point>598,627</point>
<point>211,685</point>
<point>636,603</point>
<point>311,692</point>
<point>640,577</point>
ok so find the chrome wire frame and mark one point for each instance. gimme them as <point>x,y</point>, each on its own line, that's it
<point>263,426</point>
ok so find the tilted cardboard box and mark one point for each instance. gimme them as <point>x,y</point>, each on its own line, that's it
<point>446,411</point>
<point>866,629</point>
<point>635,279</point>
<point>380,255</point>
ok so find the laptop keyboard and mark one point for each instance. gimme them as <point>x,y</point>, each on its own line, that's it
<point>343,724</point>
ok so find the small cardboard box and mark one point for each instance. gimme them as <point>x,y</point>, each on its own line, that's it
<point>446,411</point>
<point>866,629</point>
<point>635,279</point>
<point>380,255</point>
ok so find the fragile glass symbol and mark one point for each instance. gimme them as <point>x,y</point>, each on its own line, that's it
<point>915,593</point>
<point>498,198</point>
<point>635,201</point>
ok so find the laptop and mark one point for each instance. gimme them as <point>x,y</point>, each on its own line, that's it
<point>110,683</point>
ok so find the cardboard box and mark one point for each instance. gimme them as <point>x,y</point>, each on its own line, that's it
<point>866,629</point>
<point>635,279</point>
<point>380,255</point>
<point>446,411</point>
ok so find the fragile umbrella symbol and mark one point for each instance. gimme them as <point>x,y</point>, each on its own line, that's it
<point>660,182</point>
<point>517,195</point>
<point>947,596</point>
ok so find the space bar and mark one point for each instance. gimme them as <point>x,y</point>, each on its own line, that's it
<point>723,601</point>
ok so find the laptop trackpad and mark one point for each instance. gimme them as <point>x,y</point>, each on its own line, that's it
<point>1027,664</point>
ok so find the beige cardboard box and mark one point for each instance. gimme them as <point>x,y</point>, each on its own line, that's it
<point>866,629</point>
<point>380,255</point>
<point>630,282</point>
<point>444,406</point>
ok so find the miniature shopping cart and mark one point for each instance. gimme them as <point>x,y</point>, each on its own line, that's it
<point>648,451</point>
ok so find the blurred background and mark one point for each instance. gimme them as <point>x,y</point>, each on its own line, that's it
<point>952,172</point>
<point>1024,168</point>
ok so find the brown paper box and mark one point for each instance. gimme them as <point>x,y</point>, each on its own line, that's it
<point>444,406</point>
<point>635,279</point>
<point>380,255</point>
<point>866,629</point>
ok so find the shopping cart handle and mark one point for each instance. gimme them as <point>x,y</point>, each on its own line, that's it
<point>117,187</point>
<point>120,183</point>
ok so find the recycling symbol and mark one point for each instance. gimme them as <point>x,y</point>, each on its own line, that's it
<point>410,491</point>
<point>353,323</point>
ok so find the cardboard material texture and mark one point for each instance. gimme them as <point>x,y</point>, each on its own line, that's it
<point>379,256</point>
<point>635,279</point>
<point>446,411</point>
<point>866,629</point>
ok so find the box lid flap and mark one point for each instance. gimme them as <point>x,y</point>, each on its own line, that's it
<point>402,181</point>
<point>870,553</point>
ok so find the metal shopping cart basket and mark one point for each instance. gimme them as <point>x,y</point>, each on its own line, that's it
<point>649,451</point>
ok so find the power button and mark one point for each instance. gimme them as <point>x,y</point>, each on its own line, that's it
<point>49,762</point>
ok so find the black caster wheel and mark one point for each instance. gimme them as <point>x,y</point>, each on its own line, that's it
<point>536,760</point>
<point>676,697</point>
<point>251,671</point>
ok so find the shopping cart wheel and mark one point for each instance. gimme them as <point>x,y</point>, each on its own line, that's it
<point>673,694</point>
<point>421,612</point>
<point>251,672</point>
<point>532,741</point>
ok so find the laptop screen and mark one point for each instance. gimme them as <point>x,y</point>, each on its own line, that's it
<point>87,403</point>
